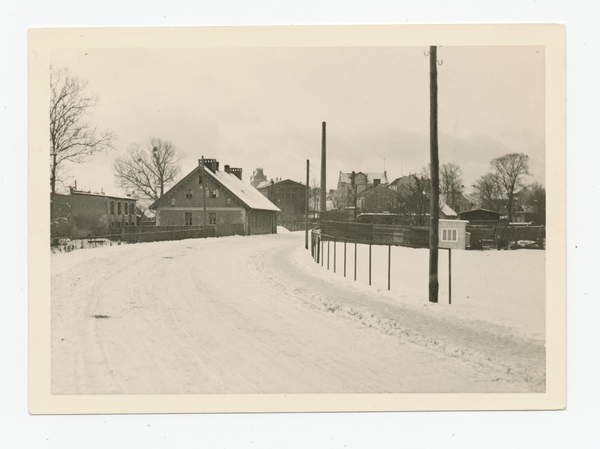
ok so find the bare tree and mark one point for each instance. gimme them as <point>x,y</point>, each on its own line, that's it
<point>413,199</point>
<point>489,192</point>
<point>510,170</point>
<point>72,137</point>
<point>451,183</point>
<point>148,168</point>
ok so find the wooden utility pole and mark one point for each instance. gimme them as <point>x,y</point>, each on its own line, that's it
<point>306,205</point>
<point>204,190</point>
<point>434,169</point>
<point>323,176</point>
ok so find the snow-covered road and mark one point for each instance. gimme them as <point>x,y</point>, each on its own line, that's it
<point>256,315</point>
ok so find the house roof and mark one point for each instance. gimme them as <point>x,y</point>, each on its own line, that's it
<point>247,194</point>
<point>103,195</point>
<point>371,188</point>
<point>264,184</point>
<point>472,211</point>
<point>447,210</point>
<point>407,179</point>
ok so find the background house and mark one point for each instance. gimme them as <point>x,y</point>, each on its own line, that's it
<point>481,216</point>
<point>85,214</point>
<point>289,196</point>
<point>232,206</point>
<point>350,185</point>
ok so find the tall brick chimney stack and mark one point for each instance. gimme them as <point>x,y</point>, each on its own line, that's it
<point>236,171</point>
<point>211,164</point>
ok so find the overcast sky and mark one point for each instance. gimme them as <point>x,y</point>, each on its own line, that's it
<point>263,107</point>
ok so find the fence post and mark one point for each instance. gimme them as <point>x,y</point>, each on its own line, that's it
<point>389,264</point>
<point>449,275</point>
<point>354,260</point>
<point>344,257</point>
<point>369,263</point>
<point>334,254</point>
<point>322,251</point>
<point>328,253</point>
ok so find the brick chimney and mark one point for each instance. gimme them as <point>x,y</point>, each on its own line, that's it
<point>211,164</point>
<point>236,171</point>
<point>226,168</point>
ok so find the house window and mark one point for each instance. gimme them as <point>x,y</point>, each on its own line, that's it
<point>212,218</point>
<point>119,208</point>
<point>172,201</point>
<point>188,219</point>
<point>212,193</point>
<point>449,235</point>
<point>200,179</point>
<point>126,223</point>
<point>112,207</point>
<point>126,208</point>
<point>228,201</point>
<point>188,194</point>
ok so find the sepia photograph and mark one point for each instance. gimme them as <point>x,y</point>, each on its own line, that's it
<point>247,220</point>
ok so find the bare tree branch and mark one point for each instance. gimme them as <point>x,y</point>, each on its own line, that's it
<point>72,138</point>
<point>149,168</point>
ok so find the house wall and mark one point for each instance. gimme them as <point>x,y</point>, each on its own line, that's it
<point>169,216</point>
<point>461,232</point>
<point>262,222</point>
<point>189,197</point>
<point>289,196</point>
<point>112,209</point>
<point>89,216</point>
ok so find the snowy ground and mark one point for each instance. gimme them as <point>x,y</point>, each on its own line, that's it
<point>258,315</point>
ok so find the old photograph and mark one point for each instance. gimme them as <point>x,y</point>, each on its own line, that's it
<point>313,221</point>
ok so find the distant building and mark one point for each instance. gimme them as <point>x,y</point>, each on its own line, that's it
<point>84,214</point>
<point>232,206</point>
<point>377,199</point>
<point>481,216</point>
<point>350,185</point>
<point>258,177</point>
<point>289,196</point>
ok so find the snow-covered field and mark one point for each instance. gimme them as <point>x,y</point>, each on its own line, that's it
<point>258,315</point>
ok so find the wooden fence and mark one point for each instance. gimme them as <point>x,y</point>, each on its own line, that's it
<point>376,234</point>
<point>139,234</point>
<point>502,237</point>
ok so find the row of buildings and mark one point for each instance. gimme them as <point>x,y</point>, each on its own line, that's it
<point>207,196</point>
<point>220,198</point>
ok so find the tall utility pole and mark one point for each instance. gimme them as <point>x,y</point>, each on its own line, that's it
<point>434,168</point>
<point>204,187</point>
<point>323,176</point>
<point>306,205</point>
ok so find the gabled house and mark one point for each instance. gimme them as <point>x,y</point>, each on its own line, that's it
<point>232,206</point>
<point>287,195</point>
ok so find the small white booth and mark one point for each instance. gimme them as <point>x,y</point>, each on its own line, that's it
<point>453,234</point>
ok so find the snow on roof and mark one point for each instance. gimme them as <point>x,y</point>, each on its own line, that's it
<point>245,192</point>
<point>263,184</point>
<point>113,195</point>
<point>447,210</point>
